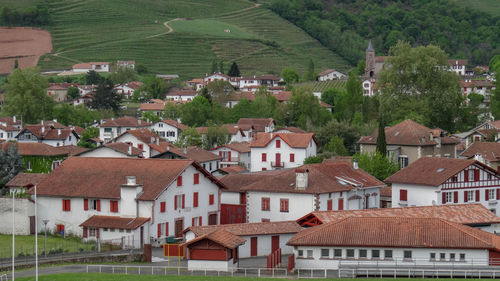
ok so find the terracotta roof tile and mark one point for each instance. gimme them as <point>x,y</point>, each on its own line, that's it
<point>114,222</point>
<point>282,96</point>
<point>295,140</point>
<point>183,93</point>
<point>174,124</point>
<point>72,149</point>
<point>246,229</point>
<point>23,179</point>
<point>292,130</point>
<point>433,171</point>
<point>396,232</point>
<point>489,150</point>
<point>9,120</point>
<point>144,135</point>
<point>259,124</point>
<point>233,169</point>
<point>193,153</point>
<point>241,147</point>
<point>35,149</point>
<point>152,106</point>
<point>221,237</point>
<point>123,148</point>
<point>407,132</point>
<point>469,214</point>
<point>125,121</point>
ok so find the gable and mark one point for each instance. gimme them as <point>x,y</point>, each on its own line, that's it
<point>472,176</point>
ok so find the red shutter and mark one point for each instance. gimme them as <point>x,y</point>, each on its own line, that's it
<point>162,207</point>
<point>329,204</point>
<point>466,175</point>
<point>264,157</point>
<point>96,232</point>
<point>243,198</point>
<point>192,221</point>
<point>211,199</point>
<point>98,205</point>
<point>486,195</point>
<point>498,193</point>
<point>183,201</point>
<point>179,180</point>
<point>478,195</point>
<point>278,143</point>
<point>443,201</point>
<point>85,204</point>
<point>455,197</point>
<point>68,204</point>
<point>200,222</point>
<point>220,153</point>
<point>111,207</point>
<point>84,232</point>
<point>229,156</point>
<point>476,175</point>
<point>195,199</point>
<point>166,229</point>
<point>341,203</point>
<point>63,205</point>
<point>403,195</point>
<point>292,157</point>
<point>196,179</point>
<point>466,199</point>
<point>159,230</point>
<point>175,202</point>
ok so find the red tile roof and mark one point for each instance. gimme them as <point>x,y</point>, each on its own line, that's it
<point>457,62</point>
<point>241,147</point>
<point>114,222</point>
<point>433,171</point>
<point>23,179</point>
<point>233,169</point>
<point>144,135</point>
<point>396,232</point>
<point>35,149</point>
<point>259,124</point>
<point>152,107</point>
<point>325,72</point>
<point>72,149</point>
<point>174,124</point>
<point>102,177</point>
<point>282,96</point>
<point>246,229</point>
<point>470,214</point>
<point>489,150</point>
<point>231,129</point>
<point>9,128</point>
<point>125,121</point>
<point>10,120</point>
<point>295,140</point>
<point>221,237</point>
<point>291,129</point>
<point>123,148</point>
<point>322,178</point>
<point>51,131</point>
<point>407,132</point>
<point>182,93</point>
<point>193,153</point>
<point>82,66</point>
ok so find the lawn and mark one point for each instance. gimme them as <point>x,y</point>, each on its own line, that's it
<point>25,245</point>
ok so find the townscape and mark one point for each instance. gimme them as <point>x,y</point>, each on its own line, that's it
<point>320,169</point>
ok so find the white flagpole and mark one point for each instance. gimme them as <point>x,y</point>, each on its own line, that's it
<point>13,237</point>
<point>36,240</point>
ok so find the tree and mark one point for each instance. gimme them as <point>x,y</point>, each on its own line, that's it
<point>90,132</point>
<point>221,66</point>
<point>289,75</point>
<point>353,98</point>
<point>336,146</point>
<point>172,111</point>
<point>204,93</point>
<point>310,75</point>
<point>16,64</point>
<point>416,82</point>
<point>123,75</point>
<point>92,78</point>
<point>73,93</point>
<point>153,88</point>
<point>330,96</point>
<point>141,69</point>
<point>234,71</point>
<point>11,163</point>
<point>26,96</point>
<point>381,143</point>
<point>151,116</point>
<point>215,136</point>
<point>313,159</point>
<point>495,99</point>
<point>342,129</point>
<point>376,165</point>
<point>189,137</point>
<point>105,97</point>
<point>219,91</point>
<point>197,112</point>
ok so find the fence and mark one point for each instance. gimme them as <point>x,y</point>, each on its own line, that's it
<point>274,259</point>
<point>123,243</point>
<point>470,263</point>
<point>291,262</point>
<point>4,277</point>
<point>419,273</point>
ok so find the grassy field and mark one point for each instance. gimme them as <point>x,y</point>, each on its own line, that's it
<point>487,6</point>
<point>317,86</point>
<point>25,245</point>
<point>260,41</point>
<point>119,277</point>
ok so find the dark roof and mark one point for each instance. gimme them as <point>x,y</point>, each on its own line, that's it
<point>114,222</point>
<point>23,179</point>
<point>246,229</point>
<point>125,121</point>
<point>193,153</point>
<point>407,132</point>
<point>259,124</point>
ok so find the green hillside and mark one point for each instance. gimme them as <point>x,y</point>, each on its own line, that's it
<point>259,40</point>
<point>318,86</point>
<point>488,6</point>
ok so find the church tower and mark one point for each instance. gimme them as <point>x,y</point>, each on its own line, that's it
<point>370,61</point>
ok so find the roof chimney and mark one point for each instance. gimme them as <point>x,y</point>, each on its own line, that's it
<point>355,163</point>
<point>14,119</point>
<point>157,141</point>
<point>185,150</point>
<point>55,120</point>
<point>152,139</point>
<point>43,128</point>
<point>58,132</point>
<point>42,122</point>
<point>301,178</point>
<point>129,149</point>
<point>131,180</point>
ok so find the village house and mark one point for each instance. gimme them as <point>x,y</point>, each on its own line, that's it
<point>197,84</point>
<point>153,107</point>
<point>141,139</point>
<point>271,151</point>
<point>85,99</point>
<point>59,91</point>
<point>206,159</point>
<point>183,95</point>
<point>488,131</point>
<point>85,89</point>
<point>126,64</point>
<point>111,128</point>
<point>289,194</point>
<point>442,181</point>
<point>458,66</point>
<point>117,149</point>
<point>128,89</point>
<point>257,124</point>
<point>235,133</point>
<point>409,141</point>
<point>159,197</point>
<point>9,128</point>
<point>38,157</point>
<point>485,152</point>
<point>168,129</point>
<point>20,183</point>
<point>482,87</point>
<point>234,154</point>
<point>53,134</point>
<point>331,74</point>
<point>371,242</point>
<point>216,76</point>
<point>86,67</point>
<point>290,130</point>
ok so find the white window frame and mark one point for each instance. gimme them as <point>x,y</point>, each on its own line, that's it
<point>492,194</point>
<point>448,197</point>
<point>471,196</point>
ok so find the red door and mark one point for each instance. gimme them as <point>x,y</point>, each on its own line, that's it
<point>212,219</point>
<point>253,246</point>
<point>341,203</point>
<point>179,227</point>
<point>229,156</point>
<point>275,243</point>
<point>278,160</point>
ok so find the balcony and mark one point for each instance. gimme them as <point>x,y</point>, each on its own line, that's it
<point>232,159</point>
<point>277,164</point>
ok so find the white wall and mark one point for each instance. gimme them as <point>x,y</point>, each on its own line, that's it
<point>23,209</point>
<point>228,197</point>
<point>299,205</point>
<point>103,151</point>
<point>128,138</point>
<point>211,265</point>
<point>374,200</point>
<point>418,195</point>
<point>162,128</point>
<point>285,150</point>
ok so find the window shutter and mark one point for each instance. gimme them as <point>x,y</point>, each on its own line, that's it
<point>478,195</point>
<point>192,221</point>
<point>183,201</point>
<point>498,193</point>
<point>329,206</point>
<point>403,195</point>
<point>68,204</point>
<point>166,229</point>
<point>200,222</point>
<point>98,205</point>
<point>85,204</point>
<point>455,197</point>
<point>64,205</point>
<point>444,198</point>
<point>84,232</point>
<point>341,203</point>
<point>476,175</point>
<point>175,202</point>
<point>486,195</point>
<point>196,179</point>
<point>229,156</point>
<point>264,157</point>
<point>162,207</point>
<point>466,175</point>
<point>159,230</point>
<point>466,199</point>
<point>111,208</point>
<point>278,143</point>
<point>211,199</point>
<point>179,180</point>
<point>220,153</point>
<point>195,199</point>
<point>292,157</point>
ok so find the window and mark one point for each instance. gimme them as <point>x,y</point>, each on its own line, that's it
<point>284,205</point>
<point>265,204</point>
<point>363,254</point>
<point>329,205</point>
<point>196,178</point>
<point>301,253</point>
<point>490,195</point>
<point>107,130</point>
<point>264,157</point>
<point>121,230</point>
<point>470,175</point>
<point>210,166</point>
<point>95,204</point>
<point>179,181</point>
<point>452,257</point>
<point>454,179</point>
<point>264,169</point>
<point>105,230</point>
<point>292,157</point>
<point>470,196</point>
<point>337,253</point>
<point>140,146</point>
<point>388,254</point>
<point>278,143</point>
<point>442,256</point>
<point>432,256</point>
<point>403,195</point>
<point>309,253</point>
<point>350,253</point>
<point>28,166</point>
<point>55,164</point>
<point>462,257</point>
<point>195,199</point>
<point>325,253</point>
<point>403,161</point>
<point>60,229</point>
<point>111,230</point>
<point>210,199</point>
<point>113,206</point>
<point>447,197</point>
<point>375,254</point>
<point>407,255</point>
<point>66,205</point>
<point>162,207</point>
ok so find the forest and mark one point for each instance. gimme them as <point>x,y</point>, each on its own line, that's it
<point>345,26</point>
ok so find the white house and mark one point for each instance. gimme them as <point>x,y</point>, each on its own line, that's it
<point>374,242</point>
<point>85,89</point>
<point>48,134</point>
<point>458,66</point>
<point>197,84</point>
<point>126,64</point>
<point>442,181</point>
<point>257,124</point>
<point>9,128</point>
<point>271,151</point>
<point>232,154</point>
<point>84,99</point>
<point>261,239</point>
<point>289,194</point>
<point>96,66</point>
<point>168,129</point>
<point>111,128</point>
<point>169,195</point>
<point>216,76</point>
<point>331,74</point>
<point>141,139</point>
<point>182,95</point>
<point>117,149</point>
<point>235,133</point>
<point>128,89</point>
<point>206,159</point>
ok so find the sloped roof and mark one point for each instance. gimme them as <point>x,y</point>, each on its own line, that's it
<point>102,177</point>
<point>193,153</point>
<point>241,147</point>
<point>470,214</point>
<point>221,237</point>
<point>407,132</point>
<point>120,147</point>
<point>433,171</point>
<point>233,169</point>
<point>457,62</point>
<point>231,129</point>
<point>49,130</point>
<point>35,149</point>
<point>489,150</point>
<point>295,140</point>
<point>82,66</point>
<point>72,149</point>
<point>246,229</point>
<point>114,222</point>
<point>23,179</point>
<point>396,232</point>
<point>291,129</point>
<point>10,120</point>
<point>144,135</point>
<point>184,92</point>
<point>282,96</point>
<point>125,121</point>
<point>152,107</point>
<point>9,128</point>
<point>174,124</point>
<point>259,124</point>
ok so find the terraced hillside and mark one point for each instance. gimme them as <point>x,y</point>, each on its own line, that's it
<point>321,86</point>
<point>237,30</point>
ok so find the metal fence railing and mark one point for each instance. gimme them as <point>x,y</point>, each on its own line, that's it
<point>419,273</point>
<point>4,277</point>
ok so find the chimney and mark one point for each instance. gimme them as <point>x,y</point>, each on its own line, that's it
<point>42,122</point>
<point>43,128</point>
<point>55,120</point>
<point>58,132</point>
<point>14,119</point>
<point>301,178</point>
<point>355,163</point>
<point>131,180</point>
<point>152,139</point>
<point>185,150</point>
<point>157,141</point>
<point>129,149</point>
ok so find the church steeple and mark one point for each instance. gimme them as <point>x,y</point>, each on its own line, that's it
<point>370,47</point>
<point>370,61</point>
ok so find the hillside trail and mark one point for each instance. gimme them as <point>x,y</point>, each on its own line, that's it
<point>170,29</point>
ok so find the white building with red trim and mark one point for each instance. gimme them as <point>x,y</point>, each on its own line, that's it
<point>96,66</point>
<point>331,74</point>
<point>168,129</point>
<point>234,154</point>
<point>141,139</point>
<point>443,181</point>
<point>111,128</point>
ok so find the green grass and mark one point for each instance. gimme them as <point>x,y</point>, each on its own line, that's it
<point>260,41</point>
<point>25,245</point>
<point>486,6</point>
<point>318,86</point>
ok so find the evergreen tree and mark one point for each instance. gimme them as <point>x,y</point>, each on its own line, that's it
<point>105,97</point>
<point>92,78</point>
<point>234,71</point>
<point>381,143</point>
<point>11,163</point>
